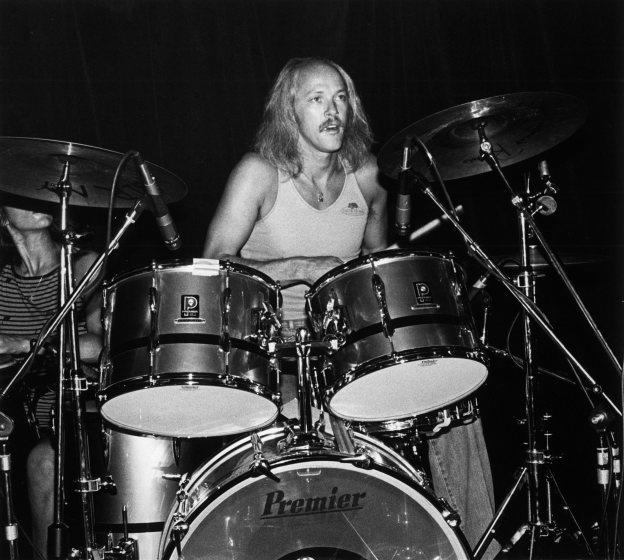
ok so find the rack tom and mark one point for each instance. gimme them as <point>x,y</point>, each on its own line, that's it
<point>407,342</point>
<point>185,350</point>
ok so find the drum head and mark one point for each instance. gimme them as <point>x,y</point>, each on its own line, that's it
<point>189,411</point>
<point>321,510</point>
<point>407,389</point>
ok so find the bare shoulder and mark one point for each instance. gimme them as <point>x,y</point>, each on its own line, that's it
<point>253,170</point>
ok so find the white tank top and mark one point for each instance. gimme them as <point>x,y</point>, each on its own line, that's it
<point>293,228</point>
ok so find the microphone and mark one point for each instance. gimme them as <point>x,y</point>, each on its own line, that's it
<point>168,230</point>
<point>403,209</point>
<point>545,176</point>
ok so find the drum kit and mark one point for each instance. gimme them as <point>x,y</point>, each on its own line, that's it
<point>193,350</point>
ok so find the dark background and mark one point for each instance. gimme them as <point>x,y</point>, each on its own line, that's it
<point>184,82</point>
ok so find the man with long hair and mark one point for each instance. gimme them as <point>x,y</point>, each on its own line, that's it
<point>308,199</point>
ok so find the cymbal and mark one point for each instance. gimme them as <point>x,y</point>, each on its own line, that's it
<point>31,168</point>
<point>518,125</point>
<point>512,261</point>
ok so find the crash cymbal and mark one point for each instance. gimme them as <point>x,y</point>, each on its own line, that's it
<point>31,167</point>
<point>518,125</point>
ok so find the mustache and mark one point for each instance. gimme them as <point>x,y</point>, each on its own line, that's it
<point>332,122</point>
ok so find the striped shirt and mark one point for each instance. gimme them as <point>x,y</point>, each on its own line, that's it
<point>26,303</point>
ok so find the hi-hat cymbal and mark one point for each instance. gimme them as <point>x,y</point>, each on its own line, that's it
<point>518,125</point>
<point>31,168</point>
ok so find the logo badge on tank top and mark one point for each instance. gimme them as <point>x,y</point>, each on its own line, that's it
<point>352,209</point>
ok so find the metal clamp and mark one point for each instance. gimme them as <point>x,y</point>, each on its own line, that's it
<point>260,466</point>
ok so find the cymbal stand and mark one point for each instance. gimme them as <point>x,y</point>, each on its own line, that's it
<point>533,312</point>
<point>535,474</point>
<point>73,381</point>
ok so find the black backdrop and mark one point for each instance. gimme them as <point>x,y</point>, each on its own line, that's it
<point>183,82</point>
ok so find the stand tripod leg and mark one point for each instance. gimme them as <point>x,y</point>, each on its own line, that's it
<point>480,547</point>
<point>578,532</point>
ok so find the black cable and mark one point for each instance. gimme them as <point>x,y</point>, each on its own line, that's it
<point>111,206</point>
<point>438,177</point>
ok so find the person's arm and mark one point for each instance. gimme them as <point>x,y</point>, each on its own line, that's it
<point>11,344</point>
<point>376,232</point>
<point>249,194</point>
<point>90,342</point>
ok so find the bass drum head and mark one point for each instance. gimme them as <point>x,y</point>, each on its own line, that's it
<point>320,509</point>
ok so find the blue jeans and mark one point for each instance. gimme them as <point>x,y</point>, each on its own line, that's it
<point>461,474</point>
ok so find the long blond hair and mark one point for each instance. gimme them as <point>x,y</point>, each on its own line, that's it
<point>276,138</point>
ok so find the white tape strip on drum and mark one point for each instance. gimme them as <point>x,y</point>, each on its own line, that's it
<point>205,267</point>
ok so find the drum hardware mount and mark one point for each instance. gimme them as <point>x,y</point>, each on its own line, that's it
<point>126,548</point>
<point>260,466</point>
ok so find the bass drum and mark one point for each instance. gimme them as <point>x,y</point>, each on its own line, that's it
<point>325,505</point>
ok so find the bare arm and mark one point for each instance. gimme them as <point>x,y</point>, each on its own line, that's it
<point>90,342</point>
<point>249,194</point>
<point>376,232</point>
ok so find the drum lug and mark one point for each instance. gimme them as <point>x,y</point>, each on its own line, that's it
<point>267,323</point>
<point>178,532</point>
<point>379,289</point>
<point>450,515</point>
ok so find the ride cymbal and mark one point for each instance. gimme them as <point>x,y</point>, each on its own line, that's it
<point>518,125</point>
<point>31,168</point>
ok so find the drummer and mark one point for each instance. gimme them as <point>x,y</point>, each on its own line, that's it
<point>306,200</point>
<point>29,295</point>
